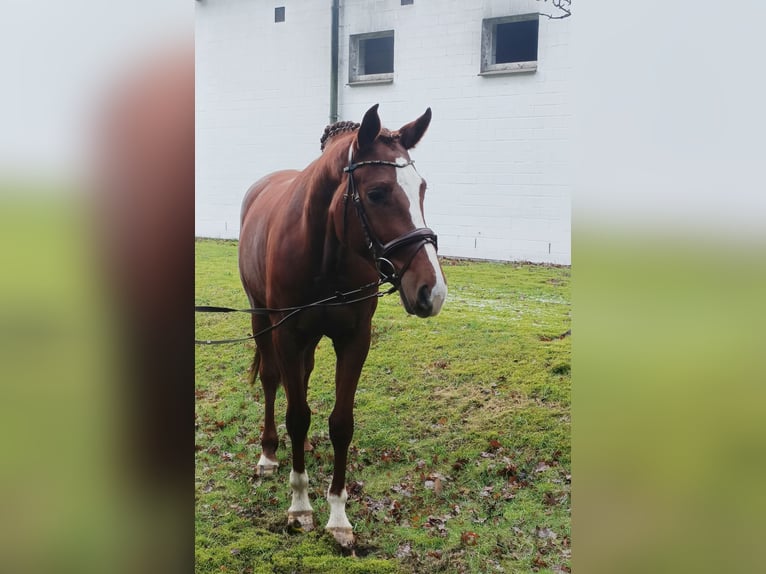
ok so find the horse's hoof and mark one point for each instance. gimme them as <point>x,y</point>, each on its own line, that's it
<point>266,469</point>
<point>266,466</point>
<point>343,536</point>
<point>301,520</point>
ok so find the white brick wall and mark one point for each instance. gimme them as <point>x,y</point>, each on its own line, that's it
<point>263,93</point>
<point>496,156</point>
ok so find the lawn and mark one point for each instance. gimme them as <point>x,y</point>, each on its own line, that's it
<point>461,455</point>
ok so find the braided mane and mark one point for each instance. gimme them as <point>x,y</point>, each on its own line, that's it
<point>332,130</point>
<point>335,129</point>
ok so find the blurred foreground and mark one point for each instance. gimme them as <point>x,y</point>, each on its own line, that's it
<point>96,251</point>
<point>668,405</point>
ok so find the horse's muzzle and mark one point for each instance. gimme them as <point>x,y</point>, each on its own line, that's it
<point>426,304</point>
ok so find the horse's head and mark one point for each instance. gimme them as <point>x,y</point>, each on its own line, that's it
<point>388,193</point>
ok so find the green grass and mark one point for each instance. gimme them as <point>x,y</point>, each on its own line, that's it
<point>461,455</point>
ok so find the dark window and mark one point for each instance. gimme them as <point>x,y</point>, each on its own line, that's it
<point>509,44</point>
<point>279,14</point>
<point>516,42</point>
<point>378,55</point>
<point>407,2</point>
<point>371,57</point>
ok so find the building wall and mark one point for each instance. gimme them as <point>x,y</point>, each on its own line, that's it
<point>496,154</point>
<point>262,93</point>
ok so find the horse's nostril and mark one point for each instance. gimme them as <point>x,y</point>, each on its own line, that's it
<point>424,297</point>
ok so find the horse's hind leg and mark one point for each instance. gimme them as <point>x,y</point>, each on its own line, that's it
<point>309,366</point>
<point>264,365</point>
<point>295,371</point>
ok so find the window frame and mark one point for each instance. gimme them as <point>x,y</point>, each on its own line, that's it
<point>355,53</point>
<point>489,46</point>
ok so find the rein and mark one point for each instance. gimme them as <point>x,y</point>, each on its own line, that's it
<point>386,269</point>
<point>340,298</point>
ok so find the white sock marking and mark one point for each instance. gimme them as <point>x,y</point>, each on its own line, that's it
<point>300,486</point>
<point>266,462</point>
<point>338,518</point>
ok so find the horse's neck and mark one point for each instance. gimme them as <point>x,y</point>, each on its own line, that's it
<point>324,180</point>
<point>320,186</point>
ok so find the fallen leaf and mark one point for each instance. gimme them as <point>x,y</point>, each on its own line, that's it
<point>404,550</point>
<point>469,538</point>
<point>550,499</point>
<point>355,487</point>
<point>545,533</point>
<point>509,471</point>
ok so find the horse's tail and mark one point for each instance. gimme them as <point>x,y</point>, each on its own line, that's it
<point>255,367</point>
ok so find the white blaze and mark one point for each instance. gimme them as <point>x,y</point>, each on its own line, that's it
<point>409,180</point>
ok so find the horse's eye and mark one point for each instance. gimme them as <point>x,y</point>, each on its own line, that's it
<point>376,195</point>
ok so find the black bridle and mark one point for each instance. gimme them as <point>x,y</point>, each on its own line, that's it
<point>381,251</point>
<point>387,271</point>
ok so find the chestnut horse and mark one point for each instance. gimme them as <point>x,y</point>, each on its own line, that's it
<point>353,214</point>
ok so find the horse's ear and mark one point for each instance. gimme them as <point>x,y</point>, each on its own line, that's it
<point>410,134</point>
<point>369,129</point>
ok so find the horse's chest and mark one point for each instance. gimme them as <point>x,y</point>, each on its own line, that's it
<point>333,322</point>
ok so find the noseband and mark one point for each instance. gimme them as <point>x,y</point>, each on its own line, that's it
<point>382,251</point>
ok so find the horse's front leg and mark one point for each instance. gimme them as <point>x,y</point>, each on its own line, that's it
<point>351,354</point>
